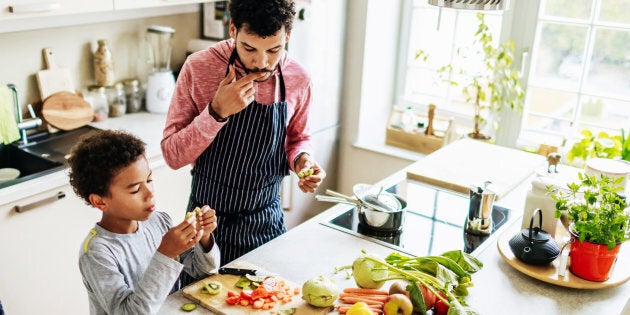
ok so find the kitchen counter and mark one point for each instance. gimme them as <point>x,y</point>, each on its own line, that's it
<point>312,249</point>
<point>146,126</point>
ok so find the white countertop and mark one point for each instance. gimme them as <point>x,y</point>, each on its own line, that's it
<point>312,249</point>
<point>146,126</point>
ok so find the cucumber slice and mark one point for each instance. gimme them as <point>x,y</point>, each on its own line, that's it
<point>189,307</point>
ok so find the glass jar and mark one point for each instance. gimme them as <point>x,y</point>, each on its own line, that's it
<point>134,95</point>
<point>98,99</point>
<point>118,103</point>
<point>103,64</point>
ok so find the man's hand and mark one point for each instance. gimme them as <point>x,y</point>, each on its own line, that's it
<point>233,96</point>
<point>308,183</point>
<point>180,238</point>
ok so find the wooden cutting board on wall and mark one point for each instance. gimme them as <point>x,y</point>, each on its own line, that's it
<point>53,79</point>
<point>217,304</point>
<point>468,162</point>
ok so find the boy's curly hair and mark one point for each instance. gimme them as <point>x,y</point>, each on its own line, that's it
<point>97,158</point>
<point>263,17</point>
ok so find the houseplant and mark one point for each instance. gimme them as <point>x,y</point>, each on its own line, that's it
<point>495,87</point>
<point>599,223</point>
<point>601,145</point>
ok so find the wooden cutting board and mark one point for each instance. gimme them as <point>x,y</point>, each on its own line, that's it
<point>468,162</point>
<point>67,111</point>
<point>217,304</point>
<point>53,79</point>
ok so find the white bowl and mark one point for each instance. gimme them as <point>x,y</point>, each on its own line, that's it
<point>7,174</point>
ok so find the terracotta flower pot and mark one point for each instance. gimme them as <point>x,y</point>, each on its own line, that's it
<point>590,261</point>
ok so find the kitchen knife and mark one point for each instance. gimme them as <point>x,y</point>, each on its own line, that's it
<point>244,271</point>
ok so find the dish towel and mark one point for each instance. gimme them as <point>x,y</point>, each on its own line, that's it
<point>8,126</point>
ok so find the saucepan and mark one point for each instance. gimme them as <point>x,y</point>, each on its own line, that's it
<point>377,209</point>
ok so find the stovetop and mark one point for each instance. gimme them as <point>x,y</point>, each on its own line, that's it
<point>434,222</point>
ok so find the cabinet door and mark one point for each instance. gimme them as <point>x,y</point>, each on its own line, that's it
<point>135,4</point>
<point>40,247</point>
<point>172,189</point>
<point>17,9</point>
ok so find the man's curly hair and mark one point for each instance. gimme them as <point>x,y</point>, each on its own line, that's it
<point>263,17</point>
<point>97,158</point>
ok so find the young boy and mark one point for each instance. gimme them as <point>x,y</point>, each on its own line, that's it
<point>132,258</point>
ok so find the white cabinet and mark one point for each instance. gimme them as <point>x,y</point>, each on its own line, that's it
<point>172,189</point>
<point>135,4</point>
<point>39,254</point>
<point>19,9</point>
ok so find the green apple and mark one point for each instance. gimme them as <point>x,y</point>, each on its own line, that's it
<point>398,304</point>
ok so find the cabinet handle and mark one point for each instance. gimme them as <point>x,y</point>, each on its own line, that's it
<point>34,7</point>
<point>35,204</point>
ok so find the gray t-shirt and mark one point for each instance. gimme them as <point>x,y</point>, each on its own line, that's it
<point>125,274</point>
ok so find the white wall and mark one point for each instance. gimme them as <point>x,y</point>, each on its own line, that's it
<point>73,45</point>
<point>370,64</point>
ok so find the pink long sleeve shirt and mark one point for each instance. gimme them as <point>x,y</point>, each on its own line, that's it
<point>189,127</point>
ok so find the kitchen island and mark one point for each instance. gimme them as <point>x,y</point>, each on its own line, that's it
<point>313,249</point>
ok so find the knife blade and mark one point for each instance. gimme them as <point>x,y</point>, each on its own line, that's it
<point>244,271</point>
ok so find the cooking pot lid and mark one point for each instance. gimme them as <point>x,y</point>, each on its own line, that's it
<point>376,198</point>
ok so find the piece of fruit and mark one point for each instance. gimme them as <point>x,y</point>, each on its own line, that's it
<point>306,172</point>
<point>189,307</point>
<point>211,287</point>
<point>398,287</point>
<point>428,296</point>
<point>359,308</point>
<point>441,308</point>
<point>398,304</point>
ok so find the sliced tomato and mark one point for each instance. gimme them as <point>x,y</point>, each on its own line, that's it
<point>246,294</point>
<point>260,293</point>
<point>233,300</point>
<point>232,293</point>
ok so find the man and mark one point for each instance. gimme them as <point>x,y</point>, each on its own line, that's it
<point>239,113</point>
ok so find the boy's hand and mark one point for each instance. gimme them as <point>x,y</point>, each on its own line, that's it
<point>180,238</point>
<point>206,223</point>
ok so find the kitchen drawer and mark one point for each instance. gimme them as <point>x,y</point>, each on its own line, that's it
<point>18,9</point>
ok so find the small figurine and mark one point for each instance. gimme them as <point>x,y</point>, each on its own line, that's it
<point>553,159</point>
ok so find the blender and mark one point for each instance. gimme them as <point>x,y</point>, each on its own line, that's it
<point>161,82</point>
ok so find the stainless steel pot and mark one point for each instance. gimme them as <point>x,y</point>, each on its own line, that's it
<point>382,211</point>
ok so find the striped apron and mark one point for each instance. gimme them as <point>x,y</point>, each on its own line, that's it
<point>240,173</point>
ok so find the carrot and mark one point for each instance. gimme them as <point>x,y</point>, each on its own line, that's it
<point>374,298</point>
<point>352,300</point>
<point>365,291</point>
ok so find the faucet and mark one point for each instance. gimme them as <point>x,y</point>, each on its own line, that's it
<point>23,124</point>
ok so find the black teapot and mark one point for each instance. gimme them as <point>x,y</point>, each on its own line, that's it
<point>533,245</point>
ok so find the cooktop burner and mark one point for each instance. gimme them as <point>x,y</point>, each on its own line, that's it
<point>434,222</point>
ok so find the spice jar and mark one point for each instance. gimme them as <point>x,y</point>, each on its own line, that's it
<point>98,99</point>
<point>103,64</point>
<point>118,103</point>
<point>134,95</point>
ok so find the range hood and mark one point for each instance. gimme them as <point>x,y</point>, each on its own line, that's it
<point>485,5</point>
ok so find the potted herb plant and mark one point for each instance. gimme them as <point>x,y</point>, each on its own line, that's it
<point>598,223</point>
<point>495,87</point>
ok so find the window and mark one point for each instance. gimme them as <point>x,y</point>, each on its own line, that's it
<point>580,70</point>
<point>578,75</point>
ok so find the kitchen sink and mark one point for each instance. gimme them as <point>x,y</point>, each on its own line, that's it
<point>44,154</point>
<point>55,146</point>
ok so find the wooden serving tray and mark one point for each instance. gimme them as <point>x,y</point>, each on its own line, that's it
<point>217,304</point>
<point>549,273</point>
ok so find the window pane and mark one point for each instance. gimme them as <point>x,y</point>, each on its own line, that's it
<point>575,9</point>
<point>551,103</point>
<point>610,66</point>
<point>556,126</point>
<point>424,81</point>
<point>609,113</point>
<point>425,36</point>
<point>559,54</point>
<point>615,11</point>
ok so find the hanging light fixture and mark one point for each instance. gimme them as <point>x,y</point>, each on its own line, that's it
<point>470,4</point>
